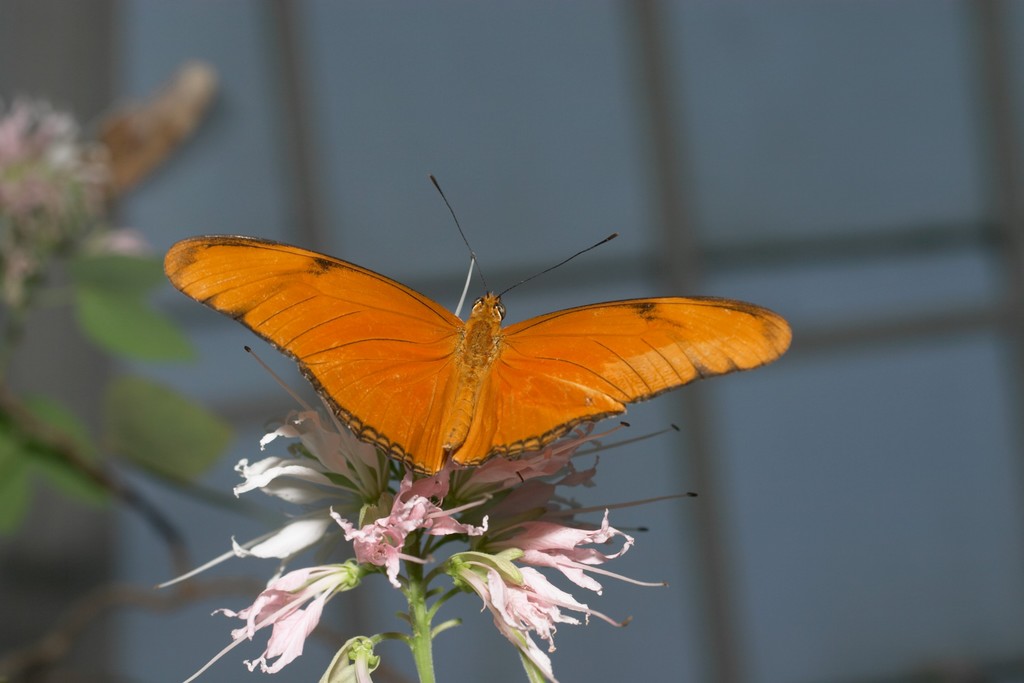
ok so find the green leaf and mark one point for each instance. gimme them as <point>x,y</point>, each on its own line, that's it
<point>62,473</point>
<point>162,431</point>
<point>14,481</point>
<point>110,302</point>
<point>121,322</point>
<point>117,272</point>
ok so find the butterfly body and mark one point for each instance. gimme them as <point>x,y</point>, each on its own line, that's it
<point>478,347</point>
<point>412,378</point>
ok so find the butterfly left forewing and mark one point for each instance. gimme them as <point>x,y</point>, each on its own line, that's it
<point>378,352</point>
<point>581,364</point>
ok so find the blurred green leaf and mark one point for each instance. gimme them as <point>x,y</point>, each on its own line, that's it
<point>121,322</point>
<point>14,480</point>
<point>118,272</point>
<point>62,473</point>
<point>162,431</point>
<point>110,302</point>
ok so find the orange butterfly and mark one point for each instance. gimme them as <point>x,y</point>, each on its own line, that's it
<point>407,375</point>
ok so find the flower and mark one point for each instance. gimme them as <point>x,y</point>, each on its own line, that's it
<point>51,191</point>
<point>329,469</point>
<point>535,520</point>
<point>532,524</point>
<point>124,241</point>
<point>521,600</point>
<point>547,544</point>
<point>43,165</point>
<point>332,457</point>
<point>380,542</point>
<point>512,515</point>
<point>281,606</point>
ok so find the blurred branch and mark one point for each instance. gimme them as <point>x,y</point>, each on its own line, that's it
<point>21,664</point>
<point>41,437</point>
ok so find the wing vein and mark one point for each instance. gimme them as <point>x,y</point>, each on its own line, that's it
<point>582,367</point>
<point>626,363</point>
<point>320,324</point>
<point>364,341</point>
<point>283,310</point>
<point>668,362</point>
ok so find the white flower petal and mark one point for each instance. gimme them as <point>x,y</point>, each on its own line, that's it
<point>290,539</point>
<point>260,475</point>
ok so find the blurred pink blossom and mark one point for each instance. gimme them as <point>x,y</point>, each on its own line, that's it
<point>44,167</point>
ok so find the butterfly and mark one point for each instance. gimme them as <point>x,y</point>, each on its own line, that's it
<point>409,376</point>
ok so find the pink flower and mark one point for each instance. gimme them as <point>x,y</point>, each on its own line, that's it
<point>125,241</point>
<point>527,487</point>
<point>43,166</point>
<point>51,193</point>
<point>380,542</point>
<point>521,600</point>
<point>510,513</point>
<point>291,605</point>
<point>532,524</point>
<point>501,473</point>
<point>547,544</point>
<point>532,519</point>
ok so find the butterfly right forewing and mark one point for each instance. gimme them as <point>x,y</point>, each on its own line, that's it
<point>583,364</point>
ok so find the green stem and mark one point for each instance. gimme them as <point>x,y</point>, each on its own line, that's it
<point>420,616</point>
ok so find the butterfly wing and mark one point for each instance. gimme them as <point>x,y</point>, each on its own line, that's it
<point>583,364</point>
<point>380,353</point>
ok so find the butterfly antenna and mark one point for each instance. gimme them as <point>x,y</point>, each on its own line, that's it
<point>625,442</point>
<point>284,385</point>
<point>609,238</point>
<point>473,263</point>
<point>472,254</point>
<point>465,287</point>
<point>567,512</point>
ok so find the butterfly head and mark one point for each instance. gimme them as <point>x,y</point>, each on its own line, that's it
<point>489,307</point>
